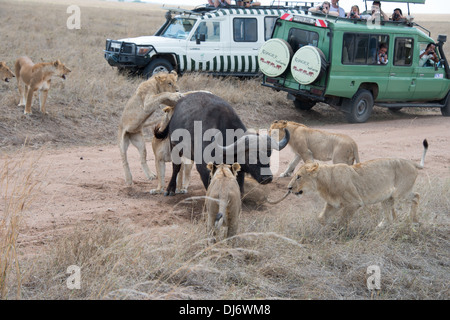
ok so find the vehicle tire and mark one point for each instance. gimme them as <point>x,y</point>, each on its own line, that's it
<point>304,104</point>
<point>281,50</point>
<point>157,65</point>
<point>308,65</point>
<point>359,108</point>
<point>445,110</point>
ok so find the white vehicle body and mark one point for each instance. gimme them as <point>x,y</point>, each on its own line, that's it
<point>221,41</point>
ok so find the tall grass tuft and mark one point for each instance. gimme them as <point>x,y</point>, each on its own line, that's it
<point>18,187</point>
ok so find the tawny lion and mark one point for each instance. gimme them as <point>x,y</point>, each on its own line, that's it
<point>223,199</point>
<point>36,77</point>
<point>162,88</point>
<point>161,150</point>
<point>312,144</point>
<point>347,188</point>
<point>5,72</point>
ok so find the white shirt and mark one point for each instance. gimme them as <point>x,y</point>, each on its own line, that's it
<point>425,58</point>
<point>339,10</point>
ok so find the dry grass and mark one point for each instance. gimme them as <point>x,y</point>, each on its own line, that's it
<point>19,184</point>
<point>280,253</point>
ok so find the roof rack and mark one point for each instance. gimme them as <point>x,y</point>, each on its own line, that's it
<point>299,5</point>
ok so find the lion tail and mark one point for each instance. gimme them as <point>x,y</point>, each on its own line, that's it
<point>161,134</point>
<point>223,203</point>
<point>17,68</point>
<point>425,149</point>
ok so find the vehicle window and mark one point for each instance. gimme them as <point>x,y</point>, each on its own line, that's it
<point>298,38</point>
<point>362,49</point>
<point>245,30</point>
<point>269,24</point>
<point>178,28</point>
<point>403,51</point>
<point>211,30</point>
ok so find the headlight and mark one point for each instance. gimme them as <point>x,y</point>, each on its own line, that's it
<point>142,51</point>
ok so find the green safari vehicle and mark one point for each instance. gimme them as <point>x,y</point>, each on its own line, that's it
<point>319,58</point>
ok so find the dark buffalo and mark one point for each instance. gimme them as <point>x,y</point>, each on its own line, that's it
<point>199,122</point>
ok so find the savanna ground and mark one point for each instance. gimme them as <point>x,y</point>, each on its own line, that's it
<point>64,201</point>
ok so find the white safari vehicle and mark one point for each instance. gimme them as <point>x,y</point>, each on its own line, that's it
<point>222,41</point>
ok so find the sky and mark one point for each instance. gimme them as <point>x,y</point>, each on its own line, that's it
<point>430,6</point>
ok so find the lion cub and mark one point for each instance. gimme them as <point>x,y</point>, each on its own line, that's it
<point>5,72</point>
<point>223,199</point>
<point>36,77</point>
<point>161,150</point>
<point>162,88</point>
<point>347,188</point>
<point>312,144</point>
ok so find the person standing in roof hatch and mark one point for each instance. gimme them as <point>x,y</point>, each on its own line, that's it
<point>335,8</point>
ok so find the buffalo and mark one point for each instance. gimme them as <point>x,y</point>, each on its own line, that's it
<point>200,123</point>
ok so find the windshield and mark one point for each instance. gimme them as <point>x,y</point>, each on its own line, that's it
<point>178,28</point>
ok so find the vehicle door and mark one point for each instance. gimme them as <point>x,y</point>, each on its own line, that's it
<point>206,47</point>
<point>402,76</point>
<point>244,44</point>
<point>429,81</point>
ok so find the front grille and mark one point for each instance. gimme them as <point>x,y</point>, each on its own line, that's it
<point>120,47</point>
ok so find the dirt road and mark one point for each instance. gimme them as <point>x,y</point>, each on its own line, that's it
<point>87,183</point>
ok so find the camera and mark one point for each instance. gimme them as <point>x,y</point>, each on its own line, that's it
<point>321,8</point>
<point>395,16</point>
<point>352,14</point>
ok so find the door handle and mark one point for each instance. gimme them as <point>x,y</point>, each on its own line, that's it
<point>392,74</point>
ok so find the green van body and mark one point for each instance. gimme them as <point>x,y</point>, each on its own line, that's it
<point>349,47</point>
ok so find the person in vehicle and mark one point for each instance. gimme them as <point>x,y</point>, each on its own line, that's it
<point>323,8</point>
<point>219,3</point>
<point>375,12</point>
<point>428,57</point>
<point>397,15</point>
<point>382,57</point>
<point>335,8</point>
<point>354,13</point>
<point>247,3</point>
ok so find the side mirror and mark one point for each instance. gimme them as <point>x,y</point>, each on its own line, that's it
<point>199,38</point>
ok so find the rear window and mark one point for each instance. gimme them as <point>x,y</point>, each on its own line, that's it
<point>298,38</point>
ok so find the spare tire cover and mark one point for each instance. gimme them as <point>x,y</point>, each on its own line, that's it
<point>274,57</point>
<point>308,64</point>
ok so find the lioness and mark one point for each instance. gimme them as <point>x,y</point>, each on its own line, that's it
<point>223,199</point>
<point>161,150</point>
<point>309,144</point>
<point>36,77</point>
<point>5,72</point>
<point>162,88</point>
<point>347,188</point>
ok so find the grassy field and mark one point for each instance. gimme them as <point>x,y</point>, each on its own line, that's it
<point>280,254</point>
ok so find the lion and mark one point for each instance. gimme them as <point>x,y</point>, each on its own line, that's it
<point>5,72</point>
<point>36,77</point>
<point>161,150</point>
<point>346,188</point>
<point>312,144</point>
<point>258,194</point>
<point>223,199</point>
<point>162,88</point>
